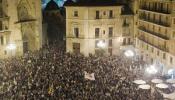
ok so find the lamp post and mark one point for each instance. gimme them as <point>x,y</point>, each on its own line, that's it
<point>11,47</point>
<point>129,53</point>
<point>151,70</point>
<point>101,45</point>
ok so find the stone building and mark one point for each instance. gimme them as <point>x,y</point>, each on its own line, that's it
<point>20,27</point>
<point>99,27</point>
<point>155,34</point>
<point>56,21</point>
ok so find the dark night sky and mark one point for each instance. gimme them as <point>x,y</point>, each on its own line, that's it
<point>59,2</point>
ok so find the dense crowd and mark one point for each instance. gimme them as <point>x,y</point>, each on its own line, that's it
<point>53,74</point>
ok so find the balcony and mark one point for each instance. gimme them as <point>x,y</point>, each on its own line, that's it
<point>25,21</point>
<point>5,32</point>
<point>126,34</point>
<point>125,25</point>
<point>4,18</point>
<point>153,33</point>
<point>160,47</point>
<point>163,11</point>
<point>165,24</point>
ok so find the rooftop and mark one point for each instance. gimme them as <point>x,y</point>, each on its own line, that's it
<point>93,3</point>
<point>52,5</point>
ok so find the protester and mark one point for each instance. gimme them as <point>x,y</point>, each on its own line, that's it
<point>53,74</point>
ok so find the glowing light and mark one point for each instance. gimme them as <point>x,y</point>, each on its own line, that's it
<point>59,2</point>
<point>151,70</point>
<point>11,46</point>
<point>170,72</point>
<point>129,53</point>
<point>101,44</point>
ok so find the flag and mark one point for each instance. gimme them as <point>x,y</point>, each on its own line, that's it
<point>51,90</point>
<point>89,76</point>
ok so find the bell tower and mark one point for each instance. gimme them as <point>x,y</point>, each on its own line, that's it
<point>29,18</point>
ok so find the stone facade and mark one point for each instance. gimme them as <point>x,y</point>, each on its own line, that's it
<point>21,25</point>
<point>155,34</point>
<point>87,26</point>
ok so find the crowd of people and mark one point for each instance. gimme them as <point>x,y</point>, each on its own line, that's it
<point>53,74</point>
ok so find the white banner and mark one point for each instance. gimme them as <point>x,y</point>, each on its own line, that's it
<point>89,76</point>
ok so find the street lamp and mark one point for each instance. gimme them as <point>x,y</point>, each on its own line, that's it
<point>11,47</point>
<point>101,44</point>
<point>129,53</point>
<point>151,70</point>
<point>171,73</point>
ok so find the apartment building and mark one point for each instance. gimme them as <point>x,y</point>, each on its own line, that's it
<point>155,34</point>
<point>104,28</point>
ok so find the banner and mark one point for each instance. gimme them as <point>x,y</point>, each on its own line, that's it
<point>89,76</point>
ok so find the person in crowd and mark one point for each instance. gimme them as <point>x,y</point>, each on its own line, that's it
<point>53,74</point>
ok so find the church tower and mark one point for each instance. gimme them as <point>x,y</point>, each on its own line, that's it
<point>30,22</point>
<point>20,27</point>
